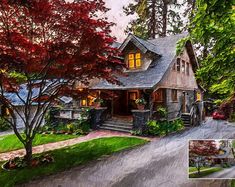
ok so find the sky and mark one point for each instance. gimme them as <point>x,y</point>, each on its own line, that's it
<point>117,16</point>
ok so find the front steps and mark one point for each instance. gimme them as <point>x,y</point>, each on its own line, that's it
<point>117,125</point>
<point>186,118</point>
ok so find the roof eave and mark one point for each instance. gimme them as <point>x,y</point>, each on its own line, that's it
<point>192,55</point>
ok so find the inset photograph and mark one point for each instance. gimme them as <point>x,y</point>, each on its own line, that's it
<point>212,159</point>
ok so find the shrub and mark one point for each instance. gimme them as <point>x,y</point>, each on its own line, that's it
<point>232,117</point>
<point>70,127</point>
<point>162,112</point>
<point>153,128</point>
<point>83,124</point>
<point>49,117</point>
<point>218,102</point>
<point>162,128</point>
<point>4,125</point>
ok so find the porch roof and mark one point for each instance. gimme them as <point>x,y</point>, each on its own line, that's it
<point>148,79</point>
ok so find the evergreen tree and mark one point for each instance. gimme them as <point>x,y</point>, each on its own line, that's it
<point>155,18</point>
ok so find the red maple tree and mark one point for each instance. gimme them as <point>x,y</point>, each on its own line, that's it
<point>199,149</point>
<point>46,46</point>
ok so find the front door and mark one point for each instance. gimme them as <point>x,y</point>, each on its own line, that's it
<point>120,103</point>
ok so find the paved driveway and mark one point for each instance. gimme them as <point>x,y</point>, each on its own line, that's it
<point>161,163</point>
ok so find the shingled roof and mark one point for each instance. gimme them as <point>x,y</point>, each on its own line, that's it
<point>148,79</point>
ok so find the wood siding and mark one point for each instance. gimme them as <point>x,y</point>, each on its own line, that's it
<point>179,80</point>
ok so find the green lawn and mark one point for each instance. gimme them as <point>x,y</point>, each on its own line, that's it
<point>205,173</point>
<point>68,157</point>
<point>11,142</point>
<point>192,169</point>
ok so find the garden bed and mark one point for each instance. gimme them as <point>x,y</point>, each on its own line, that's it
<point>160,128</point>
<point>69,157</point>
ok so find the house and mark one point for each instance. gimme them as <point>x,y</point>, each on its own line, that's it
<point>18,101</point>
<point>226,154</point>
<point>156,73</point>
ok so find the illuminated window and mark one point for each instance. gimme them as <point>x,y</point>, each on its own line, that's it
<point>158,96</point>
<point>132,95</point>
<point>4,111</point>
<point>187,68</point>
<point>174,95</point>
<point>178,64</point>
<point>134,60</point>
<point>7,112</point>
<point>183,66</point>
<point>83,102</point>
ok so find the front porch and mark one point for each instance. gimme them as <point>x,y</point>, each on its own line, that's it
<point>122,112</point>
<point>119,111</point>
<point>120,103</point>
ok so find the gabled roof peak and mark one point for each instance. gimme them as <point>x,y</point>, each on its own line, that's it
<point>143,45</point>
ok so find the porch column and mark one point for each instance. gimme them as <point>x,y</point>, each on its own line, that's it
<point>96,117</point>
<point>148,96</point>
<point>140,119</point>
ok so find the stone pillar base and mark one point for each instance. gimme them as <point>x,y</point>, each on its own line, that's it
<point>96,117</point>
<point>140,119</point>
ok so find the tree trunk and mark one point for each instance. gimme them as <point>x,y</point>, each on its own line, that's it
<point>29,152</point>
<point>153,22</point>
<point>164,18</point>
<point>198,170</point>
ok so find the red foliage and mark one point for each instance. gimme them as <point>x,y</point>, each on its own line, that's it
<point>202,148</point>
<point>46,47</point>
<point>56,39</point>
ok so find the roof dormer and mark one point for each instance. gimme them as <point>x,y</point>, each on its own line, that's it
<point>138,53</point>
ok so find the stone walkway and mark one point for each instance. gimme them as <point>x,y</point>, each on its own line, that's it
<point>61,144</point>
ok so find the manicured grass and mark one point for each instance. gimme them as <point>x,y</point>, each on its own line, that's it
<point>192,169</point>
<point>205,173</point>
<point>69,157</point>
<point>11,142</point>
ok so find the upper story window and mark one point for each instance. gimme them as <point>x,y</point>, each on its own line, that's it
<point>187,68</point>
<point>134,60</point>
<point>183,66</point>
<point>178,64</point>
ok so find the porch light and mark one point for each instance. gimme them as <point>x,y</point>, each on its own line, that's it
<point>198,96</point>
